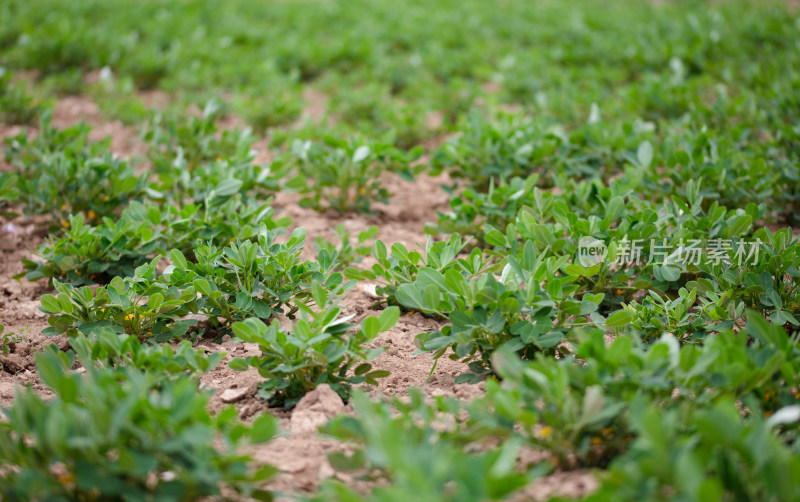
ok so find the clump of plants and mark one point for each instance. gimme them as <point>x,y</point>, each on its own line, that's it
<point>60,172</point>
<point>345,175</point>
<point>17,106</point>
<point>320,347</point>
<point>123,434</point>
<point>96,251</point>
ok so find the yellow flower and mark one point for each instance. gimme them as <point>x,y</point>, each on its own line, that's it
<point>65,223</point>
<point>63,207</point>
<point>596,441</point>
<point>545,432</point>
<point>768,413</point>
<point>92,215</point>
<point>129,317</point>
<point>66,478</point>
<point>619,291</point>
<point>362,190</point>
<point>607,431</point>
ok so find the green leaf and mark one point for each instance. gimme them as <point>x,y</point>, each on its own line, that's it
<point>264,473</point>
<point>670,273</point>
<point>410,297</point>
<point>66,303</point>
<point>226,188</point>
<point>431,296</point>
<point>50,304</point>
<point>389,317</point>
<point>202,286</point>
<point>247,330</point>
<point>178,259</point>
<point>155,301</point>
<point>362,369</point>
<point>238,364</point>
<point>359,275</point>
<point>645,154</point>
<point>371,326</point>
<point>465,378</point>
<point>428,276</point>
<point>615,207</point>
<point>264,428</point>
<point>495,238</point>
<point>361,153</point>
<point>66,264</point>
<point>619,318</point>
<point>739,227</point>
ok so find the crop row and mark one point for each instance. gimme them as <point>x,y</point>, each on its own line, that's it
<point>519,308</point>
<point>617,265</point>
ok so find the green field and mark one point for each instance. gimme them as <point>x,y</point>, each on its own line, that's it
<point>517,245</point>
